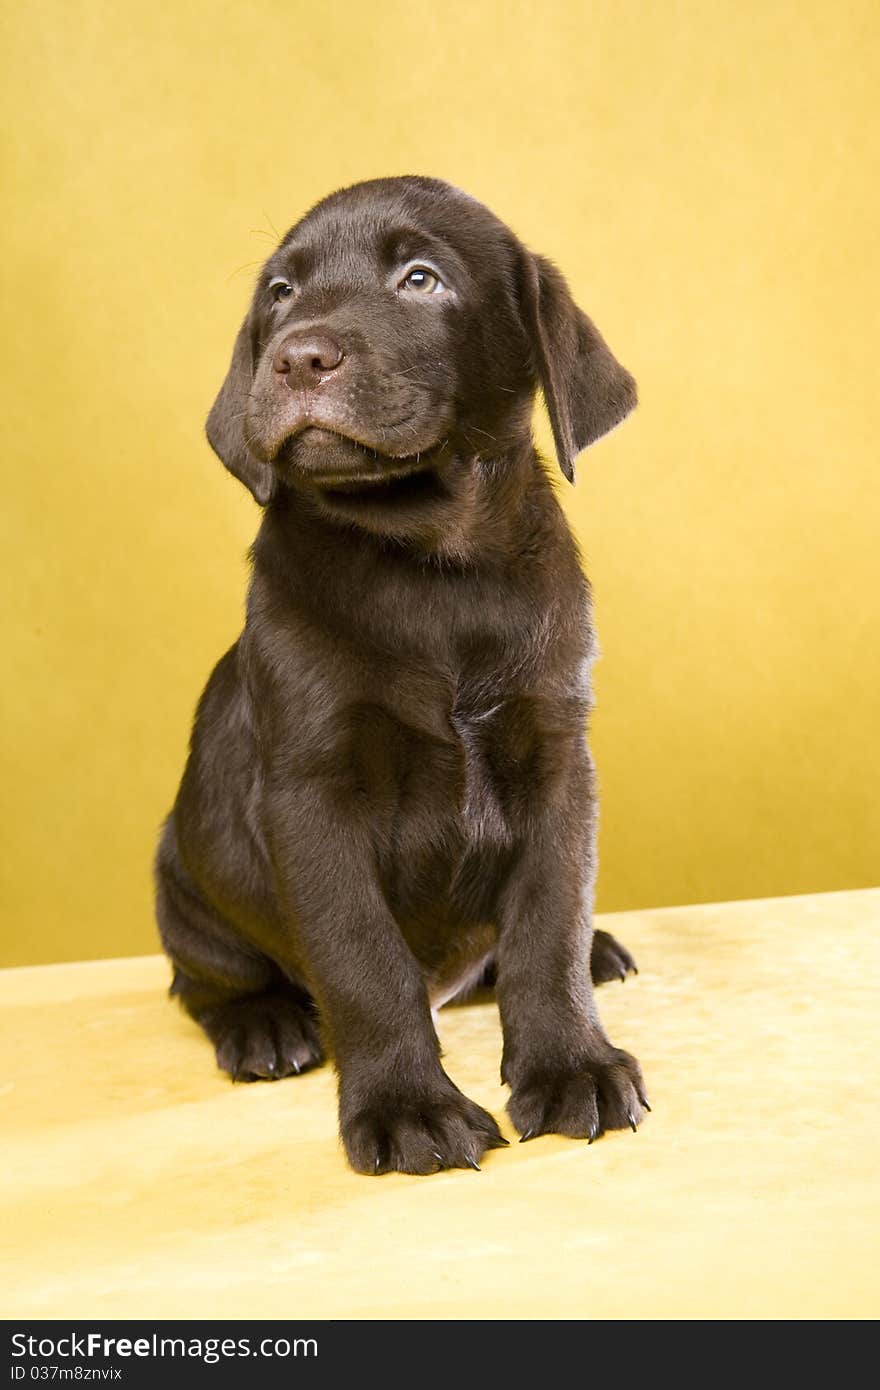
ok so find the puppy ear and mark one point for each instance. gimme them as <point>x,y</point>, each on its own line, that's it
<point>226,423</point>
<point>586,389</point>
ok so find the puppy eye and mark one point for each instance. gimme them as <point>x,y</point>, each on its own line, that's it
<point>279,288</point>
<point>422,280</point>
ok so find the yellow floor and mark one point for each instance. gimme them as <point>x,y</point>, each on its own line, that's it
<point>140,1183</point>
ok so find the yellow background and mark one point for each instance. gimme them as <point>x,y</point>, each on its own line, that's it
<point>705,174</point>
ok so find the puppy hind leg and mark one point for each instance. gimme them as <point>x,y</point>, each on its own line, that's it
<point>610,960</point>
<point>266,1036</point>
<point>263,1026</point>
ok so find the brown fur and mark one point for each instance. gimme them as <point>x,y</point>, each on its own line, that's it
<point>389,788</point>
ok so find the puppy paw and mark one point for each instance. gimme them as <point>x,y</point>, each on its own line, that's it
<point>609,960</point>
<point>265,1037</point>
<point>419,1134</point>
<point>581,1101</point>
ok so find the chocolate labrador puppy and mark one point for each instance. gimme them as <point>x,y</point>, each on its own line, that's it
<point>389,788</point>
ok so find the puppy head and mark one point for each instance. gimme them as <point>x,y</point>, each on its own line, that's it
<point>397,335</point>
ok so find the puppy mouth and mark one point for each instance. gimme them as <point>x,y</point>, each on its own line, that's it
<point>398,490</point>
<point>352,468</point>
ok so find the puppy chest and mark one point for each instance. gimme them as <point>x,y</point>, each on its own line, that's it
<point>483,807</point>
<point>427,784</point>
<point>442,777</point>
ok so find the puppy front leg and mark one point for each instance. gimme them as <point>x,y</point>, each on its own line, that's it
<point>397,1107</point>
<point>565,1075</point>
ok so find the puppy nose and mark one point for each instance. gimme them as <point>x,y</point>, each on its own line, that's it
<point>307,356</point>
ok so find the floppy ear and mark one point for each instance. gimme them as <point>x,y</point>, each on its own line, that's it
<point>586,389</point>
<point>226,423</point>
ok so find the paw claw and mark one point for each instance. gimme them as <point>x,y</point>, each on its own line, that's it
<point>583,1100</point>
<point>419,1132</point>
<point>609,960</point>
<point>264,1037</point>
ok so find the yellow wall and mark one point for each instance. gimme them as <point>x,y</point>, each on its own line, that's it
<point>706,174</point>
